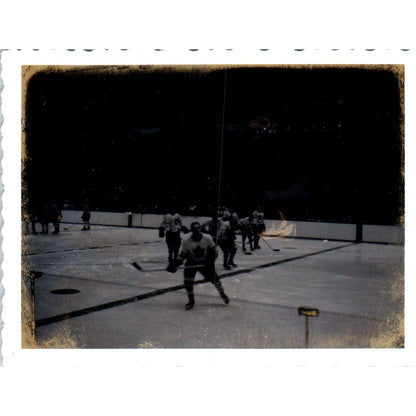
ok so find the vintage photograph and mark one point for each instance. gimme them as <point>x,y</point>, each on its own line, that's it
<point>213,206</point>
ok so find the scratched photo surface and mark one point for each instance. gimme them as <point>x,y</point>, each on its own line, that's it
<point>302,166</point>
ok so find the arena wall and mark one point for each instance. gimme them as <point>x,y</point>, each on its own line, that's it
<point>97,218</point>
<point>381,233</point>
<point>279,228</point>
<point>319,230</point>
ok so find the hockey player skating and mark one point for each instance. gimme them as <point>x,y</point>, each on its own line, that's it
<point>171,228</point>
<point>44,218</point>
<point>199,254</point>
<point>86,215</point>
<point>246,227</point>
<point>258,227</point>
<point>55,216</point>
<point>229,248</point>
<point>234,221</point>
<point>224,236</point>
<point>30,218</point>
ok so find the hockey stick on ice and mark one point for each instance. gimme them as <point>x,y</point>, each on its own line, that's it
<point>140,268</point>
<point>268,245</point>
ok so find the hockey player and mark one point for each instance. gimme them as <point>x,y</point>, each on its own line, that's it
<point>234,222</point>
<point>34,219</point>
<point>55,216</point>
<point>210,227</point>
<point>224,237</point>
<point>246,227</point>
<point>44,217</point>
<point>86,215</point>
<point>171,228</point>
<point>230,236</point>
<point>258,227</point>
<point>199,254</point>
<point>30,218</point>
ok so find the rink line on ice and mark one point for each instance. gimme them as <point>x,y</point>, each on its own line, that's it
<point>84,279</point>
<point>108,305</point>
<point>92,247</point>
<point>274,263</point>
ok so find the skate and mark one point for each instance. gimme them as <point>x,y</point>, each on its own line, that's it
<point>189,305</point>
<point>225,298</point>
<point>231,261</point>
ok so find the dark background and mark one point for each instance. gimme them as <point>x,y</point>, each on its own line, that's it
<point>320,144</point>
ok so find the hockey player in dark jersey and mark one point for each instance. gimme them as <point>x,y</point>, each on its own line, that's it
<point>230,234</point>
<point>30,218</point>
<point>44,219</point>
<point>86,215</point>
<point>171,228</point>
<point>199,254</point>
<point>224,236</point>
<point>258,226</point>
<point>246,227</point>
<point>55,217</point>
<point>234,222</point>
<point>210,227</point>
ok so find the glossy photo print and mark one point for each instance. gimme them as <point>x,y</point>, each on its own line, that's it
<point>213,206</point>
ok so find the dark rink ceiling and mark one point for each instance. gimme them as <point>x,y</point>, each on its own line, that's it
<point>319,143</point>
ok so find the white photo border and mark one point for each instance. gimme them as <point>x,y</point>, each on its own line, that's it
<point>11,95</point>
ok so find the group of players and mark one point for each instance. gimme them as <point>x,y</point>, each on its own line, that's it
<point>199,250</point>
<point>46,214</point>
<point>223,231</point>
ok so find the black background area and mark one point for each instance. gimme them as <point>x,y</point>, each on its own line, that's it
<point>326,145</point>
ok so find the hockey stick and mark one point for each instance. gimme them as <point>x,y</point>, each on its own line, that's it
<point>140,268</point>
<point>268,245</point>
<point>78,221</point>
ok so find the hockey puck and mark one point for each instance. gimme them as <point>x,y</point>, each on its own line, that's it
<point>137,266</point>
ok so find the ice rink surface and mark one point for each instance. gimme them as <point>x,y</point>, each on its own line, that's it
<point>358,290</point>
